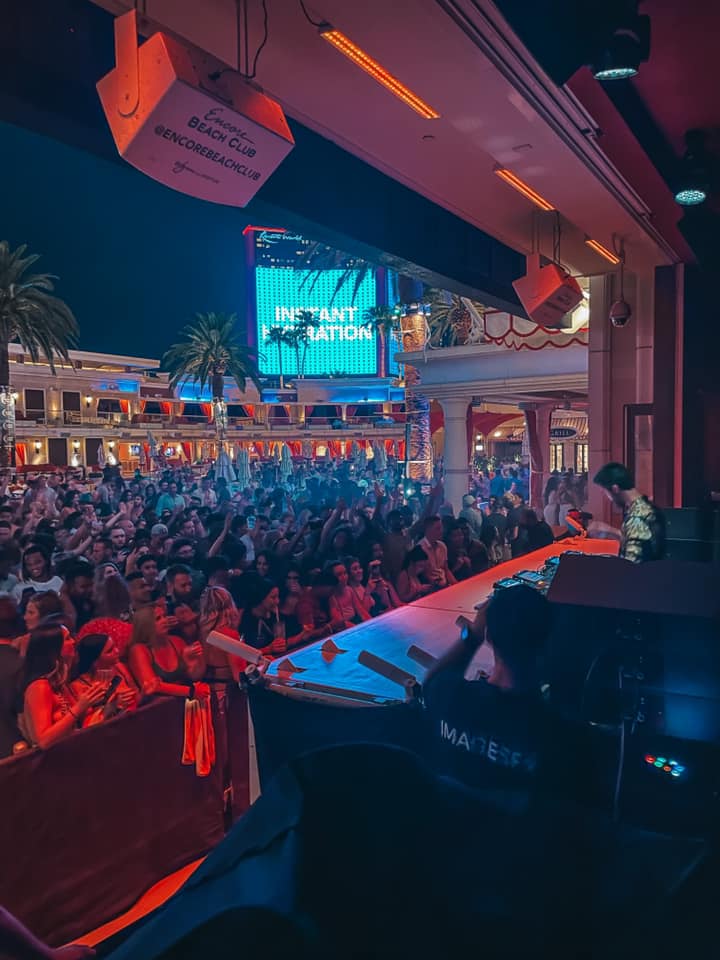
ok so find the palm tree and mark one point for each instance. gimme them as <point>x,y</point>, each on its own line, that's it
<point>306,321</point>
<point>44,325</point>
<point>280,337</point>
<point>291,337</point>
<point>383,321</point>
<point>208,350</point>
<point>450,321</point>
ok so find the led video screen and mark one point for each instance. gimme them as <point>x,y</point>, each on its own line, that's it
<point>340,345</point>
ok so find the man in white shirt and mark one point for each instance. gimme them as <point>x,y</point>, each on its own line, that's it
<point>473,516</point>
<point>207,494</point>
<point>437,568</point>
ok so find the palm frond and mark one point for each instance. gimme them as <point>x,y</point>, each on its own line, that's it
<point>383,320</point>
<point>208,348</point>
<point>320,258</point>
<point>30,312</point>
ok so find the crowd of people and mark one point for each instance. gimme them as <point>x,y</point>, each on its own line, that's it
<point>109,592</point>
<point>109,589</point>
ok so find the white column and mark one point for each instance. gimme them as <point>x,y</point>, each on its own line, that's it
<point>456,451</point>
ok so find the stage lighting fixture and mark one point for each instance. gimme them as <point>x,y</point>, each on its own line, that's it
<point>626,49</point>
<point>376,71</point>
<point>693,179</point>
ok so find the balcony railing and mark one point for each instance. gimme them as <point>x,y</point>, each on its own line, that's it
<point>37,415</point>
<point>75,418</point>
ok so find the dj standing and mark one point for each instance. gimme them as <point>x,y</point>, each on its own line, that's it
<point>642,535</point>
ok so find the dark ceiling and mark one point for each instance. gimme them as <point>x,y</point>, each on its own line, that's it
<point>678,89</point>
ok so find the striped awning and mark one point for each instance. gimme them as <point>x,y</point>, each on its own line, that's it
<point>562,420</point>
<point>578,424</point>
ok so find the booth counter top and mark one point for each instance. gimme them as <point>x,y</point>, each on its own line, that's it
<point>428,623</point>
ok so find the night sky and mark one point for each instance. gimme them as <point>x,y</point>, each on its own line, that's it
<point>135,260</point>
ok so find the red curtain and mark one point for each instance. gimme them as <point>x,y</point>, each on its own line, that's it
<point>21,454</point>
<point>389,446</point>
<point>483,423</point>
<point>146,453</point>
<point>309,411</point>
<point>401,449</point>
<point>207,410</point>
<point>351,409</point>
<point>295,447</point>
<point>187,450</point>
<point>142,405</point>
<point>437,420</point>
<point>165,408</point>
<point>260,447</point>
<point>124,406</point>
<point>334,448</point>
<point>249,409</point>
<point>179,407</point>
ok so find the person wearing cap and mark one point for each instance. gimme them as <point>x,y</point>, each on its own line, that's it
<point>51,711</point>
<point>98,662</point>
<point>473,516</point>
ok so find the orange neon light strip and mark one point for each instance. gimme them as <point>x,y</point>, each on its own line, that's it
<point>377,72</point>
<point>603,251</point>
<point>523,188</point>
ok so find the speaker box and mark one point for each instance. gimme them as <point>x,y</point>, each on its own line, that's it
<point>692,534</point>
<point>181,119</point>
<point>548,294</point>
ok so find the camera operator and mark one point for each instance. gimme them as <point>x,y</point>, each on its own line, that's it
<point>497,732</point>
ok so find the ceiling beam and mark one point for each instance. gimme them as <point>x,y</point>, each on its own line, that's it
<point>320,190</point>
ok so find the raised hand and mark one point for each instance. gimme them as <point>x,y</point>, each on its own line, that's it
<point>92,696</point>
<point>193,653</point>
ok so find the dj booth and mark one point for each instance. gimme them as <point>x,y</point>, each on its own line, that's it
<point>325,694</point>
<point>633,658</point>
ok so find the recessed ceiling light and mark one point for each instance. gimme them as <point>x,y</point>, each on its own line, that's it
<point>693,178</point>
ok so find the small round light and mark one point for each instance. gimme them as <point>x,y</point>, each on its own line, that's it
<point>616,73</point>
<point>690,197</point>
